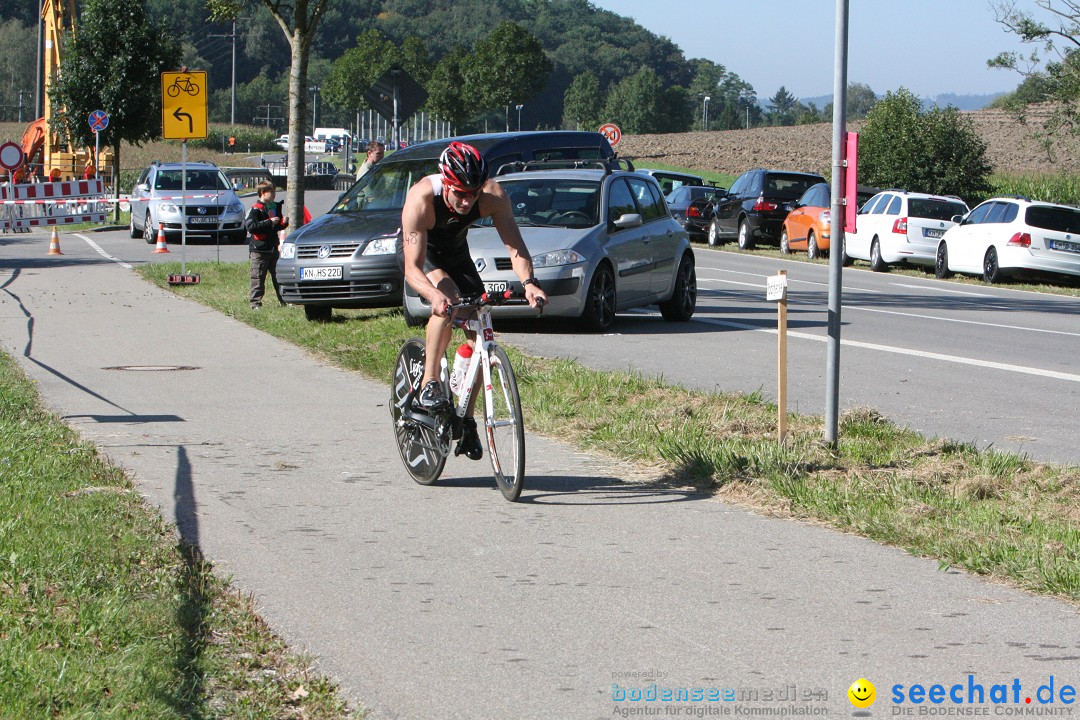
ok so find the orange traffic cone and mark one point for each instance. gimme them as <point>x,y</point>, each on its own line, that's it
<point>162,246</point>
<point>54,243</point>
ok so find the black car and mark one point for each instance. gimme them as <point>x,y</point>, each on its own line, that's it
<point>347,259</point>
<point>692,206</point>
<point>757,204</point>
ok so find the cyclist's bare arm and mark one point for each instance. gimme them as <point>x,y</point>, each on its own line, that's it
<point>417,217</point>
<point>497,204</point>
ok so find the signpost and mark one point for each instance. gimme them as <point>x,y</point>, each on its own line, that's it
<point>183,116</point>
<point>776,289</point>
<point>99,120</point>
<point>612,132</point>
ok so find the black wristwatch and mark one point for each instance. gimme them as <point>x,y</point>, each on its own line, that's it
<point>531,281</point>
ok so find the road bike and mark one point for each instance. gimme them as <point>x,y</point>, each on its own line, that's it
<point>185,85</point>
<point>424,439</point>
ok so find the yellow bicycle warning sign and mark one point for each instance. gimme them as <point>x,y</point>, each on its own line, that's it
<point>183,105</point>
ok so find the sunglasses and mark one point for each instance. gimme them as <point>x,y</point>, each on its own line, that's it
<point>462,195</point>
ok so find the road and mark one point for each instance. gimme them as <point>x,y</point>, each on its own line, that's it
<point>448,602</point>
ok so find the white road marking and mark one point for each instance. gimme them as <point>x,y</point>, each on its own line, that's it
<point>937,289</point>
<point>102,253</point>
<point>1039,372</point>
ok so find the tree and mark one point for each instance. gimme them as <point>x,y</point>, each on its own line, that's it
<point>784,107</point>
<point>860,99</point>
<point>16,92</point>
<point>508,66</point>
<point>634,102</point>
<point>298,20</point>
<point>582,103</point>
<point>116,55</point>
<point>446,88</point>
<point>1056,70</point>
<point>357,70</point>
<point>936,152</point>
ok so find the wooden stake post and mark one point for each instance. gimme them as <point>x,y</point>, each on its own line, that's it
<point>776,289</point>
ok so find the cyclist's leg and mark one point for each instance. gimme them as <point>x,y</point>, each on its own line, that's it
<point>438,330</point>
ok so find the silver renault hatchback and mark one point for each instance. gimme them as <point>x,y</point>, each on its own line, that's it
<point>160,194</point>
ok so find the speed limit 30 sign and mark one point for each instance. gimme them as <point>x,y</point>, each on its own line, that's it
<point>612,132</point>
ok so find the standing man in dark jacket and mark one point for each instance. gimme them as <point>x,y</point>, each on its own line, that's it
<point>263,222</point>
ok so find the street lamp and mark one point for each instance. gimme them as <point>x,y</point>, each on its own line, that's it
<point>706,123</point>
<point>519,116</point>
<point>746,96</point>
<point>314,105</point>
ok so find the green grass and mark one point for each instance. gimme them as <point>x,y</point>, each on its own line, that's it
<point>104,613</point>
<point>997,514</point>
<point>1060,188</point>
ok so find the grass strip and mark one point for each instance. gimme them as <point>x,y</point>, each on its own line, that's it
<point>104,613</point>
<point>993,513</point>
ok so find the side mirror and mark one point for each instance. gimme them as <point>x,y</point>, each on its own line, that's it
<point>629,220</point>
<point>958,219</point>
<point>143,187</point>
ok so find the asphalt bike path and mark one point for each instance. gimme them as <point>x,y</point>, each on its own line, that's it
<point>448,601</point>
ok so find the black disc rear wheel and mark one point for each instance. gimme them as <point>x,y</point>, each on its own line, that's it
<point>422,450</point>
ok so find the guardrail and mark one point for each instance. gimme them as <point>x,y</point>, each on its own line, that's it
<point>246,177</point>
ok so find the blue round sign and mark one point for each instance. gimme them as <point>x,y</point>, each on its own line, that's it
<point>99,120</point>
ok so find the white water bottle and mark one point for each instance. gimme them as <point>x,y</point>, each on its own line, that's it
<point>461,365</point>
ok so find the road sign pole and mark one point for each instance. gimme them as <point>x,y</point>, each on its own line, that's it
<point>781,367</point>
<point>97,153</point>
<point>183,207</point>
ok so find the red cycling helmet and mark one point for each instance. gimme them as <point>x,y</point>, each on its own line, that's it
<point>463,167</point>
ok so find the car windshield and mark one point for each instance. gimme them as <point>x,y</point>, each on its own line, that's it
<point>385,187</point>
<point>1057,219</point>
<point>196,180</point>
<point>934,209</point>
<point>703,194</point>
<point>552,203</point>
<point>788,187</point>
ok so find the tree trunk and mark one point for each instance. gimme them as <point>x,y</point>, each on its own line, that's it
<point>298,72</point>
<point>116,182</point>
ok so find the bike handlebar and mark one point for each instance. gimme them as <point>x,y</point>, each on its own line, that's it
<point>475,302</point>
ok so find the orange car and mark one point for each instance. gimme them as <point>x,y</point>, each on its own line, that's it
<point>807,226</point>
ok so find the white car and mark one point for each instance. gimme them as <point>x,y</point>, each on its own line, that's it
<point>1007,234</point>
<point>899,226</point>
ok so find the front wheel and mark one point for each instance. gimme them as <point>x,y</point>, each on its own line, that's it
<point>423,452</point>
<point>714,234</point>
<point>318,313</point>
<point>812,251</point>
<point>148,229</point>
<point>991,269</point>
<point>505,428</point>
<point>599,312</point>
<point>746,240</point>
<point>785,243</point>
<point>876,263</point>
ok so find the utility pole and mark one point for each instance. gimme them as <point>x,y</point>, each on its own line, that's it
<point>232,96</point>
<point>38,110</point>
<point>314,106</point>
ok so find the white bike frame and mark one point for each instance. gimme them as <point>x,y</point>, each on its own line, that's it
<point>485,346</point>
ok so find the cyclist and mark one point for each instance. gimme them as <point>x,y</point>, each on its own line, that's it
<point>435,256</point>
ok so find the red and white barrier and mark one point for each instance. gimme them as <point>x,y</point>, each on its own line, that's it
<point>52,203</point>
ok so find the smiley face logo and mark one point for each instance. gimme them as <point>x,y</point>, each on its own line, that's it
<point>862,693</point>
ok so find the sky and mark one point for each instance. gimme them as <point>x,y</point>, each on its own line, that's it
<point>928,46</point>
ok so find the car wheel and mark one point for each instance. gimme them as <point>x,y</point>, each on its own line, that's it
<point>680,307</point>
<point>845,259</point>
<point>714,234</point>
<point>991,270</point>
<point>785,246</point>
<point>318,313</point>
<point>599,312</point>
<point>812,251</point>
<point>746,240</point>
<point>148,229</point>
<point>410,319</point>
<point>941,262</point>
<point>876,263</point>
<point>238,238</point>
<point>133,231</point>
